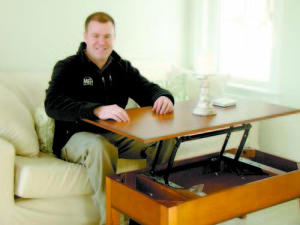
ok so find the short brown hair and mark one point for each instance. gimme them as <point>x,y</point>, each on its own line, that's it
<point>101,17</point>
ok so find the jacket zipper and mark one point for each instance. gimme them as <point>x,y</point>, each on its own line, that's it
<point>105,91</point>
<point>110,80</point>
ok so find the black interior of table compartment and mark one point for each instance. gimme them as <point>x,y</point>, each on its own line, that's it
<point>215,174</point>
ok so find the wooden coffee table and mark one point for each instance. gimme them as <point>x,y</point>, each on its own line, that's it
<point>230,183</point>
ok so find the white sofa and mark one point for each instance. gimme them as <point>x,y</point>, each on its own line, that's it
<point>37,188</point>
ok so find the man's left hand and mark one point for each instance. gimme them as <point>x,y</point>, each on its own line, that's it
<point>163,105</point>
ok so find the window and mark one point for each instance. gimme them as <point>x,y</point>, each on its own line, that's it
<point>245,41</point>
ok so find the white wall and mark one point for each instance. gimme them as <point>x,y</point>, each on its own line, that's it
<point>37,33</point>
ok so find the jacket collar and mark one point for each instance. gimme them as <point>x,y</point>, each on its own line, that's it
<point>81,53</point>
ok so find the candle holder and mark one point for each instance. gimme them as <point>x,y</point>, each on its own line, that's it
<point>204,106</point>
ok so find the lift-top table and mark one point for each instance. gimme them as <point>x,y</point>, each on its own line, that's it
<point>207,189</point>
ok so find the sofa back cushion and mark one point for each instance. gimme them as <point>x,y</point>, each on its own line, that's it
<point>17,124</point>
<point>28,87</point>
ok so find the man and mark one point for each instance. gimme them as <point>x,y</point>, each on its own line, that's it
<point>96,84</point>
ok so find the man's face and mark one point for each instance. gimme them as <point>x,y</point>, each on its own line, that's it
<point>99,39</point>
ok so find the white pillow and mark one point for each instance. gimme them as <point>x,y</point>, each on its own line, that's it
<point>177,85</point>
<point>153,70</point>
<point>17,124</point>
<point>167,75</point>
<point>44,128</point>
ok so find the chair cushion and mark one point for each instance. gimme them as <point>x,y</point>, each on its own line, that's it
<point>48,176</point>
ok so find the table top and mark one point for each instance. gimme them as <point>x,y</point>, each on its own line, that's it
<point>146,126</point>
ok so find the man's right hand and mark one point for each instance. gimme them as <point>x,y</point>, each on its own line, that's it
<point>111,112</point>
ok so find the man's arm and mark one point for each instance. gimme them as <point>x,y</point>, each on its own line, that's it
<point>59,104</point>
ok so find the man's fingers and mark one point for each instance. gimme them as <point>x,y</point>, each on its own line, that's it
<point>159,105</point>
<point>163,108</point>
<point>121,115</point>
<point>168,109</point>
<point>163,105</point>
<point>116,118</point>
<point>112,112</point>
<point>156,106</point>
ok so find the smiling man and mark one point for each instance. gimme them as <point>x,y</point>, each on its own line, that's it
<point>94,84</point>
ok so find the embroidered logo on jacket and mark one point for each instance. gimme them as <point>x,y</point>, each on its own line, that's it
<point>87,81</point>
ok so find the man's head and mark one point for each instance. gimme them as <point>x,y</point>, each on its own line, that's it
<point>99,37</point>
<point>100,17</point>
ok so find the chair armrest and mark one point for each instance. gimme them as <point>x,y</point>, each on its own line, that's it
<point>7,158</point>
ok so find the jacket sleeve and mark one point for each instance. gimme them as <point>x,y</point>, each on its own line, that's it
<point>59,103</point>
<point>144,92</point>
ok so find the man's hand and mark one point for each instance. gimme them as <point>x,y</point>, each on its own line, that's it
<point>111,112</point>
<point>162,105</point>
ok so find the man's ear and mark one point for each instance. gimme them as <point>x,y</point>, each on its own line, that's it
<point>84,36</point>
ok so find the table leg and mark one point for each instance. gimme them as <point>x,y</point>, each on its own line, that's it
<point>112,215</point>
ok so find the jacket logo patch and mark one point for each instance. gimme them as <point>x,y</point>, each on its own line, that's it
<point>88,81</point>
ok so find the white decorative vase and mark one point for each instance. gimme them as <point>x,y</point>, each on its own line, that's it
<point>204,106</point>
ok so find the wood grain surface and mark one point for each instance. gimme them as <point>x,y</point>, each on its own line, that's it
<point>146,126</point>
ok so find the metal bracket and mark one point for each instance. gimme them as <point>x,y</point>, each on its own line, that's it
<point>156,158</point>
<point>171,160</point>
<point>243,141</point>
<point>179,140</point>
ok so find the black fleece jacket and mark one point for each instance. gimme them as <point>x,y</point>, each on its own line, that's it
<point>78,86</point>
